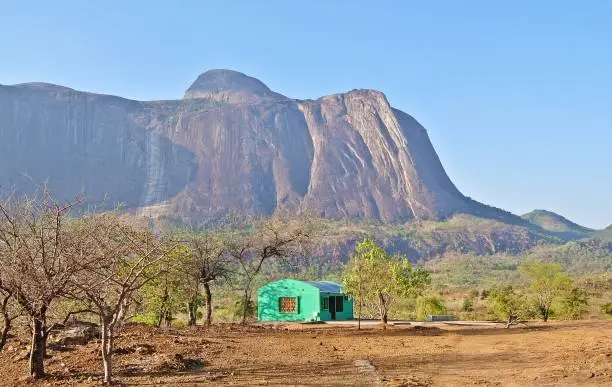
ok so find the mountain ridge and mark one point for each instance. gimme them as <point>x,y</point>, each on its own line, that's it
<point>231,145</point>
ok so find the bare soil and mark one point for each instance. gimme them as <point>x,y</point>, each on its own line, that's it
<point>558,353</point>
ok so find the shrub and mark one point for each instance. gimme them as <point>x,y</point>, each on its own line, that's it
<point>468,305</point>
<point>484,293</point>
<point>430,305</point>
<point>505,302</point>
<point>575,305</point>
<point>251,310</point>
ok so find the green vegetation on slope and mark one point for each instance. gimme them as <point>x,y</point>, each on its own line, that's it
<point>605,234</point>
<point>578,257</point>
<point>557,225</point>
<point>422,239</point>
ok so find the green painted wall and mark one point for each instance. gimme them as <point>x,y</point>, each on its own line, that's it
<point>347,306</point>
<point>268,300</point>
<point>310,301</point>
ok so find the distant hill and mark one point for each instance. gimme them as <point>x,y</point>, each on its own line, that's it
<point>462,250</point>
<point>422,240</point>
<point>558,225</point>
<point>590,258</point>
<point>605,234</point>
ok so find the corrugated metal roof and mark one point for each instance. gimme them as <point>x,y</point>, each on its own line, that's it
<point>326,286</point>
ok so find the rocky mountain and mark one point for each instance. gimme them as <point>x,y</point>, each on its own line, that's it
<point>558,225</point>
<point>231,144</point>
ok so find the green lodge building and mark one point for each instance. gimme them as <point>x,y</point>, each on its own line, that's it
<point>293,300</point>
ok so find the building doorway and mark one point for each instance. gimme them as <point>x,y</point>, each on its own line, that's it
<point>336,304</point>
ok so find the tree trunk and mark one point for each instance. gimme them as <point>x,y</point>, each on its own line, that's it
<point>5,329</point>
<point>107,350</point>
<point>164,308</point>
<point>44,341</point>
<point>160,316</point>
<point>37,349</point>
<point>382,307</point>
<point>245,305</point>
<point>360,300</point>
<point>169,318</point>
<point>359,314</point>
<point>192,310</point>
<point>511,320</point>
<point>208,294</point>
<point>4,334</point>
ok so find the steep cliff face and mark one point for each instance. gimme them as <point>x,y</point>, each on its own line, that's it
<point>80,143</point>
<point>378,159</point>
<point>231,144</point>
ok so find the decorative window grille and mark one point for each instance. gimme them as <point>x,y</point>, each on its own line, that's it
<point>287,304</point>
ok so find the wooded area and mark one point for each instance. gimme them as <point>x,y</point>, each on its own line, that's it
<point>59,262</point>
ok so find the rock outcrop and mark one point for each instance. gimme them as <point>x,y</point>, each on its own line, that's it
<point>231,144</point>
<point>230,87</point>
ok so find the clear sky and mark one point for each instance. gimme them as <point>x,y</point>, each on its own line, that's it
<point>516,95</point>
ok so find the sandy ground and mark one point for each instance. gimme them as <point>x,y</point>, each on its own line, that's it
<point>566,354</point>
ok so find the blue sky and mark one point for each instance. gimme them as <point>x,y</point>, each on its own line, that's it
<point>516,95</point>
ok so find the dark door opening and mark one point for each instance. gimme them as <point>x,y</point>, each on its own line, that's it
<point>332,307</point>
<point>339,304</point>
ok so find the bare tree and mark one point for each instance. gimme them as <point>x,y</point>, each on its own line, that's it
<point>281,236</point>
<point>124,258</point>
<point>38,255</point>
<point>7,315</point>
<point>207,262</point>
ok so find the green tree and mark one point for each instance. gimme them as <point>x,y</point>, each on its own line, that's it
<point>167,294</point>
<point>377,277</point>
<point>430,304</point>
<point>548,283</point>
<point>507,303</point>
<point>606,308</point>
<point>354,282</point>
<point>575,304</point>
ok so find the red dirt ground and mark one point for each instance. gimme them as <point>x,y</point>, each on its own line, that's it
<point>566,354</point>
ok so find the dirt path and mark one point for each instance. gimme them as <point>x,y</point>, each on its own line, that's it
<point>567,354</point>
